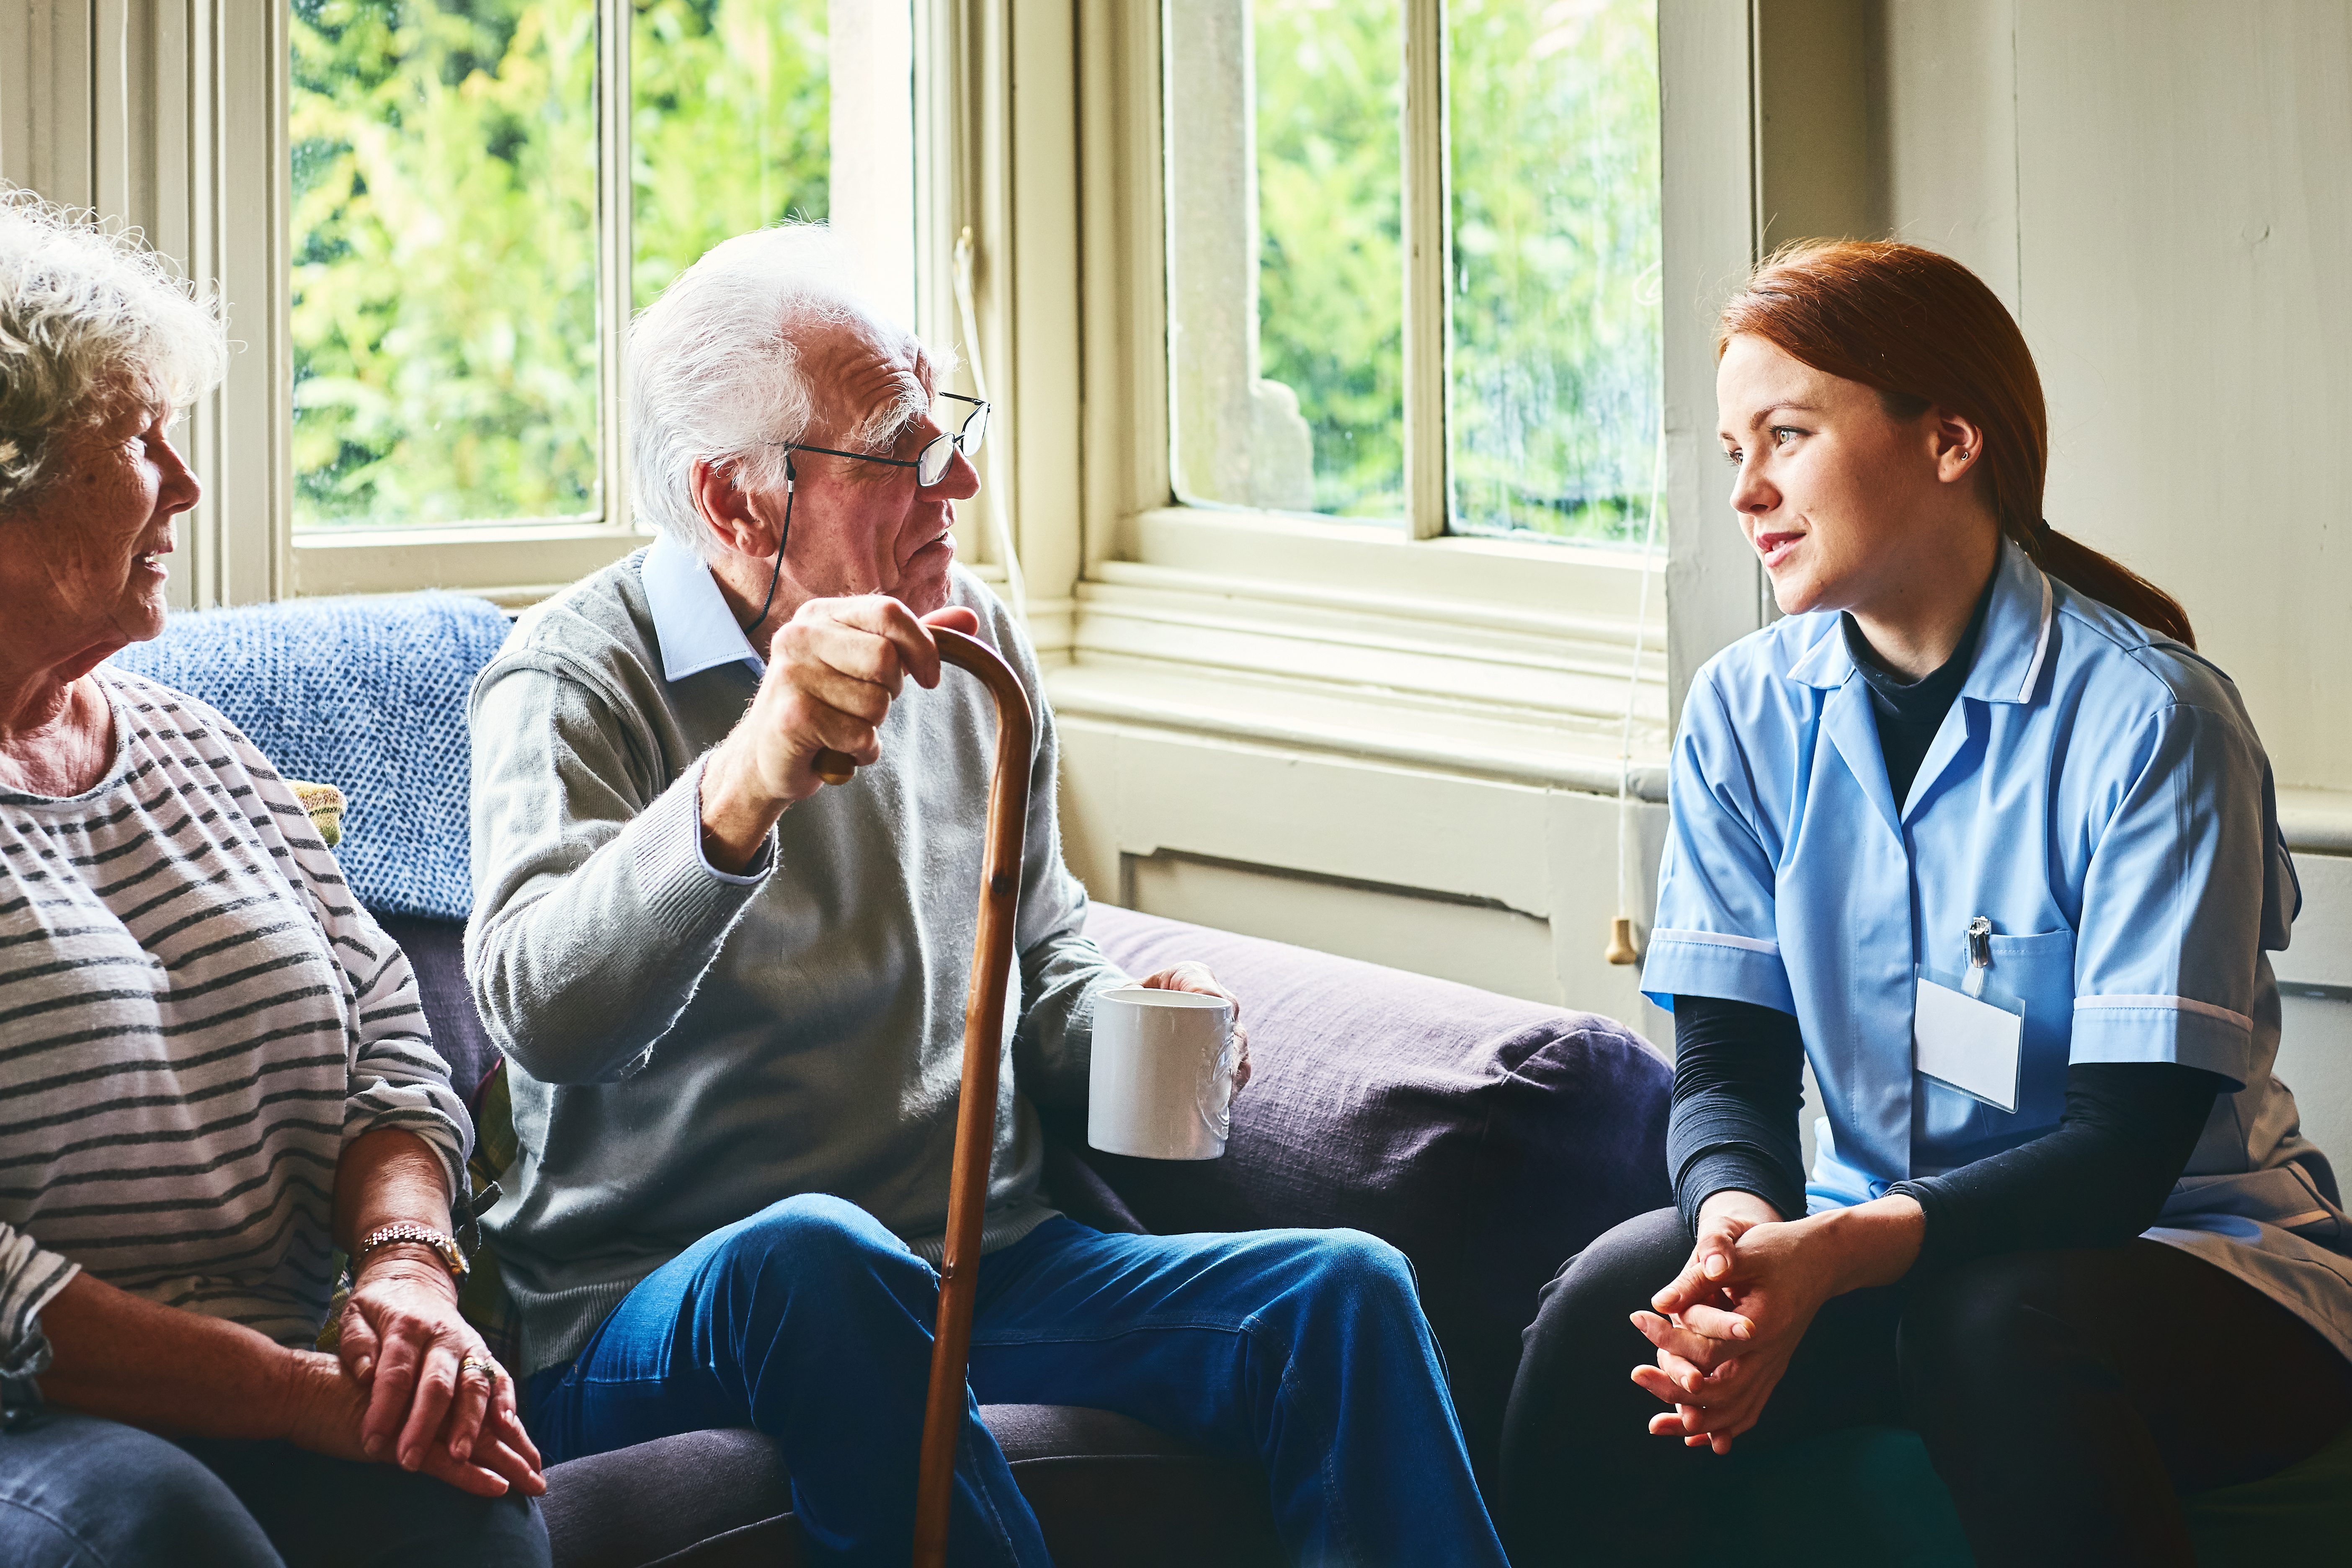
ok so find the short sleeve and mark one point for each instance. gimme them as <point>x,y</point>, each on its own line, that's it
<point>1717,932</point>
<point>2185,876</point>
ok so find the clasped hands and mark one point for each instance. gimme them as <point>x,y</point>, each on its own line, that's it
<point>1726,1327</point>
<point>396,1390</point>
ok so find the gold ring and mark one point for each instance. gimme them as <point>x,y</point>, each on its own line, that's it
<point>483,1364</point>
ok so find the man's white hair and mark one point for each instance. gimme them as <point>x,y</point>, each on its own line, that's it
<point>716,373</point>
<point>89,314</point>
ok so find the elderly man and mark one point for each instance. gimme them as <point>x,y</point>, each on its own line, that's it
<point>730,999</point>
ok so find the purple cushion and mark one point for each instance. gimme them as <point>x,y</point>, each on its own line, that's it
<point>1488,1139</point>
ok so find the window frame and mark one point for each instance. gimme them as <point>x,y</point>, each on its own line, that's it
<point>1233,573</point>
<point>519,560</point>
<point>1426,200</point>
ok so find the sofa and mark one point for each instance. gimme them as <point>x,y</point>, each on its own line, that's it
<point>1487,1138</point>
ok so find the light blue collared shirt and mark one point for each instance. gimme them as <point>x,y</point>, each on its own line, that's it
<point>695,630</point>
<point>692,624</point>
<point>2099,795</point>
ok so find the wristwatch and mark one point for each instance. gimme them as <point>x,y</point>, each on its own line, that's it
<point>440,1241</point>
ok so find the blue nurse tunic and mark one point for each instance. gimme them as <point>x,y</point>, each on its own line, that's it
<point>2097,794</point>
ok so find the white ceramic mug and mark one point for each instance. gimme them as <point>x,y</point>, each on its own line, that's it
<point>1163,1080</point>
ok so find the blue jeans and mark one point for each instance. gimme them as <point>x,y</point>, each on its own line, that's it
<point>1305,1350</point>
<point>78,1491</point>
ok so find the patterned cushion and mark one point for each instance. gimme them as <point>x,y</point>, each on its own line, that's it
<point>367,694</point>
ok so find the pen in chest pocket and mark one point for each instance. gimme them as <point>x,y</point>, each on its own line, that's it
<point>1979,947</point>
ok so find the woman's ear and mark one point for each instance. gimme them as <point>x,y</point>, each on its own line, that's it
<point>1957,444</point>
<point>726,510</point>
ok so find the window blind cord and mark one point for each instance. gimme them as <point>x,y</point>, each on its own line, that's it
<point>1621,949</point>
<point>1000,509</point>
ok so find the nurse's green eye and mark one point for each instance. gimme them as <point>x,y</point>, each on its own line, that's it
<point>1782,435</point>
<point>1734,456</point>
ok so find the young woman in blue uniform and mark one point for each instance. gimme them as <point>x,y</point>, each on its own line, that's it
<point>1976,830</point>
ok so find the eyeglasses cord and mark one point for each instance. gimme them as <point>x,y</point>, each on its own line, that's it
<point>784,538</point>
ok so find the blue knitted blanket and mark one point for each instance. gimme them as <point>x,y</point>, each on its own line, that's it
<point>368,695</point>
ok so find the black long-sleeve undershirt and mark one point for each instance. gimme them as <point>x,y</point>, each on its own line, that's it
<point>1740,1073</point>
<point>2097,1179</point>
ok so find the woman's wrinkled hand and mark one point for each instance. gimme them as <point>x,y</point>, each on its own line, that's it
<point>1726,1326</point>
<point>404,1345</point>
<point>324,1411</point>
<point>1192,975</point>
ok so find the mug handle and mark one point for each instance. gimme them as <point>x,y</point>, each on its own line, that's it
<point>1219,1121</point>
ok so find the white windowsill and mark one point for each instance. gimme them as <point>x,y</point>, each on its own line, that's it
<point>505,561</point>
<point>1240,708</point>
<point>1485,658</point>
<point>1343,555</point>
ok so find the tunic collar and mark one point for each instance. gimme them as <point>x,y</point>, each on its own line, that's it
<point>692,624</point>
<point>2010,655</point>
<point>2017,631</point>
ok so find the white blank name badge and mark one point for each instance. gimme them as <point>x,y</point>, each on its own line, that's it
<point>1971,1045</point>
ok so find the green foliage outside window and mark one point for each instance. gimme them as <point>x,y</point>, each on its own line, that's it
<point>1557,356</point>
<point>730,121</point>
<point>444,315</point>
<point>1556,378</point>
<point>1330,109</point>
<point>444,260</point>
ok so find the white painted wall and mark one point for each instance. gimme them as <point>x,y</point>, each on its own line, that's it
<point>2157,187</point>
<point>2315,1060</point>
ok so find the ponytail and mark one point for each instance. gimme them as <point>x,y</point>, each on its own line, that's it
<point>1922,329</point>
<point>2109,580</point>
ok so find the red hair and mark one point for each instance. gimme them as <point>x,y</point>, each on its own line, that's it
<point>1923,330</point>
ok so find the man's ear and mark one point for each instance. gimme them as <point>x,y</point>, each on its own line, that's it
<point>726,510</point>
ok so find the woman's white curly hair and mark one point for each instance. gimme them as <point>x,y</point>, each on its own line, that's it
<point>88,312</point>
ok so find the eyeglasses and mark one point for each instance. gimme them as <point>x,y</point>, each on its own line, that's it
<point>930,463</point>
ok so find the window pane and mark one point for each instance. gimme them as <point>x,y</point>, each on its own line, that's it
<point>730,114</point>
<point>1558,379</point>
<point>444,317</point>
<point>1286,284</point>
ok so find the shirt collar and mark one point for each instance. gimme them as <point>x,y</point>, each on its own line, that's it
<point>2010,653</point>
<point>1828,662</point>
<point>692,624</point>
<point>2016,642</point>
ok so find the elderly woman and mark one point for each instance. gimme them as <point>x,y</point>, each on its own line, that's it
<point>213,1067</point>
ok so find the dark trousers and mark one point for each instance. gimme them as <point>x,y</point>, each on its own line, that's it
<point>79,1493</point>
<point>2063,1397</point>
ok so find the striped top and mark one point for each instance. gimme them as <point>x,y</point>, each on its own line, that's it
<point>195,1020</point>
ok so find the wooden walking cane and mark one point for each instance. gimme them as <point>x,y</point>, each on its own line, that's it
<point>983,1041</point>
